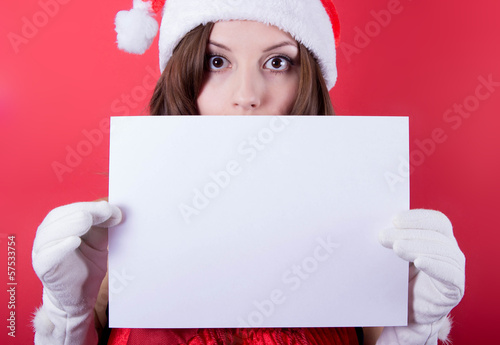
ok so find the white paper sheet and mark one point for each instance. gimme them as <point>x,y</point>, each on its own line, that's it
<point>256,221</point>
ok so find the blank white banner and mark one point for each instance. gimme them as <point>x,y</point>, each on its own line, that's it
<point>257,221</point>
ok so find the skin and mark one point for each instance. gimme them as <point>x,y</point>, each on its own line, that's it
<point>253,69</point>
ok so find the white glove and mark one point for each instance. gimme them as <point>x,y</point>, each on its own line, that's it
<point>437,275</point>
<point>70,258</point>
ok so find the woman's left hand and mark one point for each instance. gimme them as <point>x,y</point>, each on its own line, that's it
<point>437,270</point>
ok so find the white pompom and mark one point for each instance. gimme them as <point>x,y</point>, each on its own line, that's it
<point>136,30</point>
<point>42,324</point>
<point>445,329</point>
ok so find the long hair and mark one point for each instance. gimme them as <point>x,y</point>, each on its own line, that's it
<point>178,88</point>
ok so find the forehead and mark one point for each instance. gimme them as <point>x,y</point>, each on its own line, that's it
<point>249,32</point>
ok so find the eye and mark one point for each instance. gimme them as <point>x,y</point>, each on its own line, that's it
<point>278,63</point>
<point>217,62</point>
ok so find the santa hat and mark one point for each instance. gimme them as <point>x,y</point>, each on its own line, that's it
<point>314,23</point>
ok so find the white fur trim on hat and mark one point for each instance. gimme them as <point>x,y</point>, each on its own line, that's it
<point>306,20</point>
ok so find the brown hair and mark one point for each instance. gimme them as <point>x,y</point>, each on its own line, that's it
<point>178,88</point>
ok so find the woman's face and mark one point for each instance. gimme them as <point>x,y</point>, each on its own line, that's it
<point>252,69</point>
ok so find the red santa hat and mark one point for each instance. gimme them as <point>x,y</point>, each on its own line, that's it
<point>314,23</point>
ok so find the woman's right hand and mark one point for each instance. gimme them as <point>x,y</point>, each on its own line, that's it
<point>70,258</point>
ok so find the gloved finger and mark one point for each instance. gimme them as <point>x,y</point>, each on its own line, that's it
<point>50,257</point>
<point>76,220</point>
<point>92,254</point>
<point>103,213</point>
<point>451,276</point>
<point>96,238</point>
<point>114,219</point>
<point>387,237</point>
<point>72,224</point>
<point>422,314</point>
<point>410,250</point>
<point>447,268</point>
<point>424,219</point>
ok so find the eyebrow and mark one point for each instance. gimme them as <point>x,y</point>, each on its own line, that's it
<point>276,46</point>
<point>280,45</point>
<point>220,45</point>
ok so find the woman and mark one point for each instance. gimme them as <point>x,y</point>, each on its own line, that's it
<point>231,57</point>
<point>180,90</point>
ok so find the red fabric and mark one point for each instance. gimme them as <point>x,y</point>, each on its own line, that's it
<point>157,5</point>
<point>119,336</point>
<point>334,19</point>
<point>161,336</point>
<point>254,336</point>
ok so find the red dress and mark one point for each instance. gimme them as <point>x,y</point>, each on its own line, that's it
<point>244,336</point>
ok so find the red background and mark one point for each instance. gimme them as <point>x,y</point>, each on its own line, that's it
<point>65,77</point>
